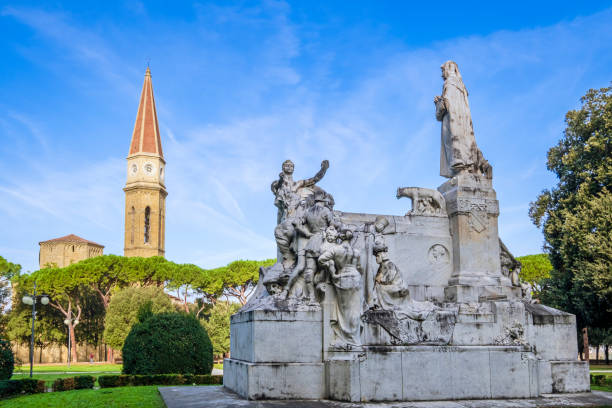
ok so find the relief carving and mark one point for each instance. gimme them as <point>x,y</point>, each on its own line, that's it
<point>478,217</point>
<point>438,255</point>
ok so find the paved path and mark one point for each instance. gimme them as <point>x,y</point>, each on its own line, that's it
<point>601,371</point>
<point>219,397</point>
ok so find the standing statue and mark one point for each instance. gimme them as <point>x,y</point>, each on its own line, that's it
<point>289,193</point>
<point>340,261</point>
<point>312,225</point>
<point>458,151</point>
<point>290,197</point>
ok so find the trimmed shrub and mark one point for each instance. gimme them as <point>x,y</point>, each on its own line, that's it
<point>168,343</point>
<point>82,382</point>
<point>7,361</point>
<point>601,380</point>
<point>64,384</point>
<point>166,379</point>
<point>22,386</point>
<point>142,379</point>
<point>108,381</point>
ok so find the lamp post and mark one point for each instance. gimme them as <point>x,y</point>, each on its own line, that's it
<point>31,299</point>
<point>67,322</point>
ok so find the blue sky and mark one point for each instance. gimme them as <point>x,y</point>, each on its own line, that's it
<point>242,86</point>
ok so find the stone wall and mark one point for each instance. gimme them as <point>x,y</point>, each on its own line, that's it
<point>57,354</point>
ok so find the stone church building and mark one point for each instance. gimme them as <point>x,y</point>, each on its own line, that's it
<point>145,217</point>
<point>67,250</point>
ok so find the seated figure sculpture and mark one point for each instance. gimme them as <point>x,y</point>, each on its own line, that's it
<point>389,288</point>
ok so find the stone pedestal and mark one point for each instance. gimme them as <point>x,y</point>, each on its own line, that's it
<point>276,355</point>
<point>472,208</point>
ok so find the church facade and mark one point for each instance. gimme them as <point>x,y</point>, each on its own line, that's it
<point>67,250</point>
<point>145,191</point>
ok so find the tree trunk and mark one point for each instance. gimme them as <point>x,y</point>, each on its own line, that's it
<point>606,349</point>
<point>585,342</point>
<point>73,346</point>
<point>597,354</point>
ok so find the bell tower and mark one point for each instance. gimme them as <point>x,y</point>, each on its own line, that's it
<point>145,191</point>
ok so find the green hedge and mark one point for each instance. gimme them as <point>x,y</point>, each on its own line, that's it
<point>108,381</point>
<point>601,380</point>
<point>74,383</point>
<point>22,386</point>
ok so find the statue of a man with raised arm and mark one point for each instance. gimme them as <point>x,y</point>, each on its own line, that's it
<point>288,193</point>
<point>458,150</point>
<point>290,197</point>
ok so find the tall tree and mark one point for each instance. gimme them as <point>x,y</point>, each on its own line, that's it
<point>535,270</point>
<point>64,295</point>
<point>207,286</point>
<point>123,310</point>
<point>240,278</point>
<point>8,271</point>
<point>576,214</point>
<point>49,326</point>
<point>217,324</point>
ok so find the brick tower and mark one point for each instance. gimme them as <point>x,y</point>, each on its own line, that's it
<point>145,192</point>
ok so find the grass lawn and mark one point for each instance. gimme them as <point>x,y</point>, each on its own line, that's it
<point>81,368</point>
<point>41,372</point>
<point>600,388</point>
<point>49,378</point>
<point>120,397</point>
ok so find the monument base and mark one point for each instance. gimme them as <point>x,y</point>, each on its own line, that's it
<point>413,373</point>
<point>267,363</point>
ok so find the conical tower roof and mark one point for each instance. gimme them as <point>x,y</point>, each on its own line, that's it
<point>145,138</point>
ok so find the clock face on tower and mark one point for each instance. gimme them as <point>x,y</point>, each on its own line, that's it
<point>134,168</point>
<point>149,168</point>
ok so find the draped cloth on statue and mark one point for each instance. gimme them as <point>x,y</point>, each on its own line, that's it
<point>348,305</point>
<point>340,261</point>
<point>458,145</point>
<point>389,288</point>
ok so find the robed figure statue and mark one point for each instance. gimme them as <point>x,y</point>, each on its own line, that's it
<point>458,150</point>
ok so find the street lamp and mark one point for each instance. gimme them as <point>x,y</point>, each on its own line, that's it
<point>67,323</point>
<point>31,299</point>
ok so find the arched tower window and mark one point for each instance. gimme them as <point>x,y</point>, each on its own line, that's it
<point>147,224</point>
<point>132,225</point>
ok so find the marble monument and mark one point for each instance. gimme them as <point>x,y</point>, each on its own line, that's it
<point>423,306</point>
